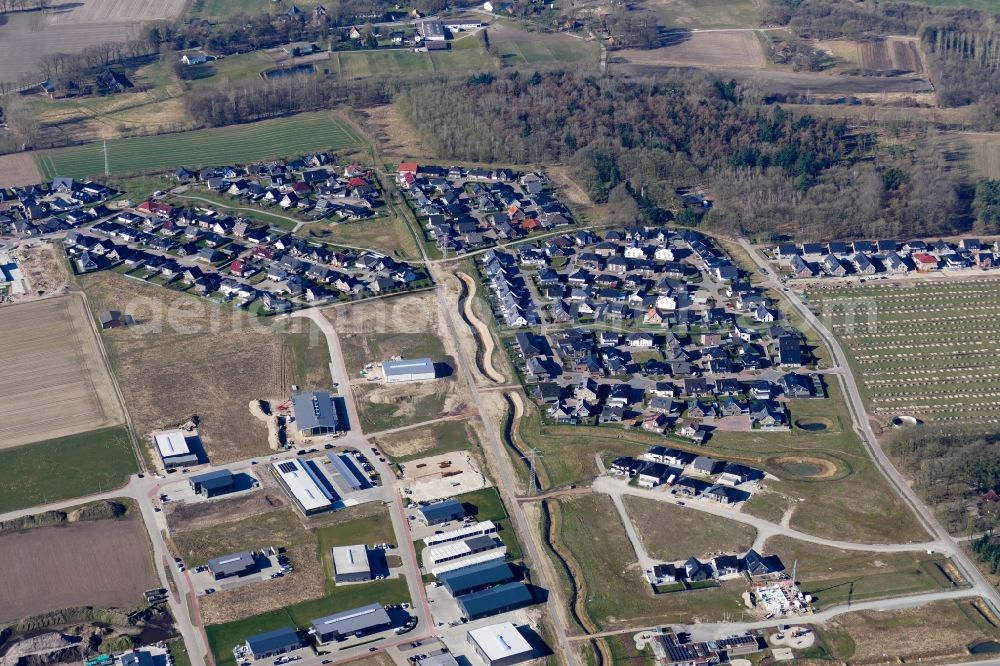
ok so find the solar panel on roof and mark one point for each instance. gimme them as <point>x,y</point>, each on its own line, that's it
<point>287,467</point>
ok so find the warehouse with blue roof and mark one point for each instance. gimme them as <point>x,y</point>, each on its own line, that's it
<point>273,643</point>
<point>442,512</point>
<point>213,484</point>
<point>477,577</point>
<point>500,599</point>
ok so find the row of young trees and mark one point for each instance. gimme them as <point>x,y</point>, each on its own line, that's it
<point>770,171</point>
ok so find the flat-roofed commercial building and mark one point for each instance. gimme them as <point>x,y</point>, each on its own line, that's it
<point>213,484</point>
<point>236,564</point>
<point>441,512</point>
<point>351,564</point>
<point>415,370</point>
<point>499,599</point>
<point>173,448</point>
<point>481,528</point>
<point>454,550</point>
<point>273,643</point>
<point>500,644</point>
<point>356,622</point>
<point>315,413</point>
<point>477,577</point>
<point>432,30</point>
<point>303,485</point>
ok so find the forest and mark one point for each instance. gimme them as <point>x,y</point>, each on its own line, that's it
<point>952,470</point>
<point>769,170</point>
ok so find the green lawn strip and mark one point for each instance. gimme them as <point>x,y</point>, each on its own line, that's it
<point>223,637</point>
<point>223,145</point>
<point>310,358</point>
<point>836,577</point>
<point>64,468</point>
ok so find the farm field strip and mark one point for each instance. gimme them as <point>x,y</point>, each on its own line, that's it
<point>224,145</point>
<point>925,348</point>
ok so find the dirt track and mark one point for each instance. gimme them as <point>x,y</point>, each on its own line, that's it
<point>54,382</point>
<point>484,341</point>
<point>104,564</point>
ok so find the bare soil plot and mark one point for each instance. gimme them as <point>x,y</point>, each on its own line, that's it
<point>43,264</point>
<point>54,382</point>
<point>393,132</point>
<point>441,437</point>
<point>671,533</point>
<point>102,564</point>
<point>723,48</point>
<point>891,54</point>
<point>184,516</point>
<point>104,11</point>
<point>18,169</point>
<point>187,356</point>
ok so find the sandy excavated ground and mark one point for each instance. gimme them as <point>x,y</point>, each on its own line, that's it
<point>54,381</point>
<point>43,266</point>
<point>423,478</point>
<point>102,563</point>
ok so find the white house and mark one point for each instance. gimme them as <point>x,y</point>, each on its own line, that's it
<point>666,302</point>
<point>664,254</point>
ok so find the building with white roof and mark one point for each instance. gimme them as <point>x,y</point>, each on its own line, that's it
<point>303,485</point>
<point>481,528</point>
<point>173,448</point>
<point>351,564</point>
<point>479,558</point>
<point>500,644</point>
<point>414,370</point>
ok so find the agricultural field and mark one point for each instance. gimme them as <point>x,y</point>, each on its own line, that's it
<point>18,169</point>
<point>221,9</point>
<point>189,356</point>
<point>899,54</point>
<point>706,13</point>
<point>836,577</point>
<point>111,11</point>
<point>235,144</point>
<point>519,47</point>
<point>939,632</point>
<point>924,348</point>
<point>100,563</point>
<point>736,49</point>
<point>64,468</point>
<point>55,381</point>
<point>431,440</point>
<point>659,524</point>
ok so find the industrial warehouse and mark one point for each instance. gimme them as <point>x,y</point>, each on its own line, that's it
<point>477,577</point>
<point>213,484</point>
<point>237,564</point>
<point>499,599</point>
<point>303,485</point>
<point>315,413</point>
<point>351,564</point>
<point>500,644</point>
<point>273,643</point>
<point>441,512</point>
<point>325,483</point>
<point>356,622</point>
<point>416,370</point>
<point>174,449</point>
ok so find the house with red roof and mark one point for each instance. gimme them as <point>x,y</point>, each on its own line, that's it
<point>925,262</point>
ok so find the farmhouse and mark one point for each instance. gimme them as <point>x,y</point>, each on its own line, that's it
<point>500,599</point>
<point>273,643</point>
<point>174,449</point>
<point>441,512</point>
<point>315,413</point>
<point>356,622</point>
<point>500,644</point>
<point>213,484</point>
<point>417,370</point>
<point>351,564</point>
<point>229,566</point>
<point>303,486</point>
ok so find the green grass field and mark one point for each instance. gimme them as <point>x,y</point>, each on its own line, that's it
<point>223,637</point>
<point>707,13</point>
<point>220,9</point>
<point>224,145</point>
<point>65,468</point>
<point>430,440</point>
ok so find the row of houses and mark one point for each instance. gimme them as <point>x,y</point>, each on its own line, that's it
<point>464,209</point>
<point>720,567</point>
<point>57,206</point>
<point>672,467</point>
<point>883,257</point>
